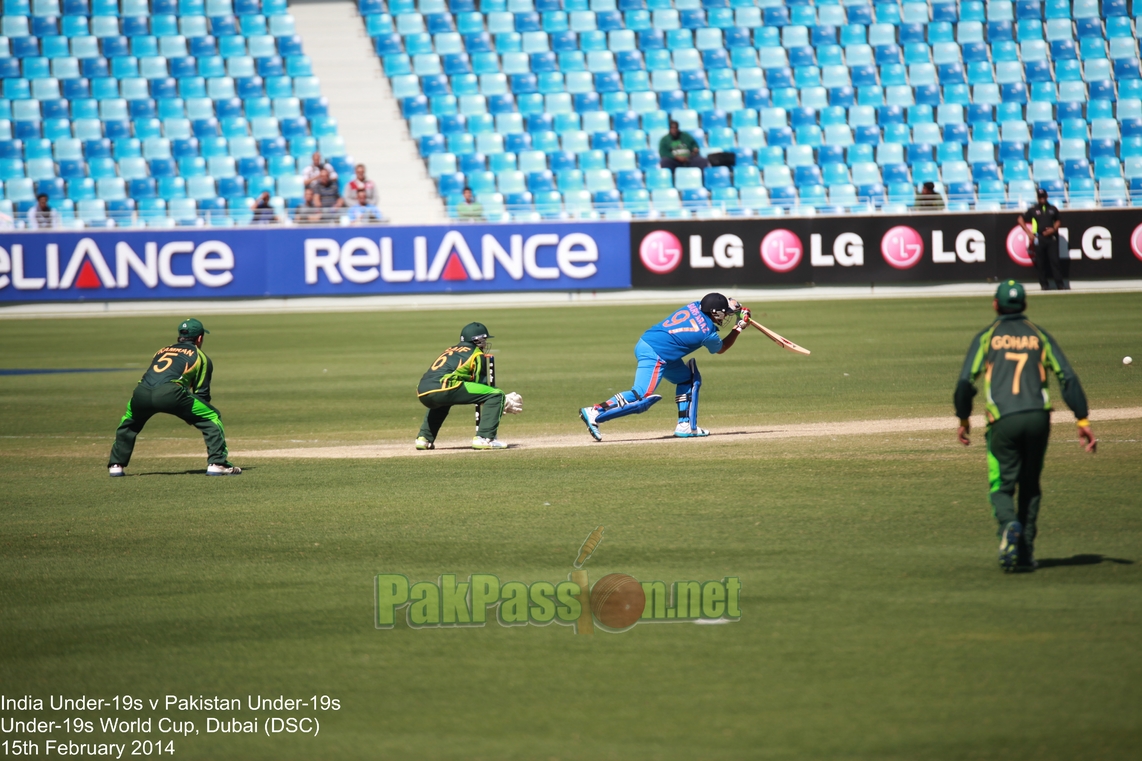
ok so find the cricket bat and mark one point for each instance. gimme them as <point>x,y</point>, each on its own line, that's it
<point>781,341</point>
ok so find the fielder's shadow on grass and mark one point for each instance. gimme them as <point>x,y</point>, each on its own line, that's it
<point>199,472</point>
<point>1081,560</point>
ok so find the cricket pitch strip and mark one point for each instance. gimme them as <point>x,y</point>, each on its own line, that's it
<point>627,438</point>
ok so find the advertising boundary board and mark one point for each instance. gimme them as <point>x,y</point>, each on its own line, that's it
<point>858,250</point>
<point>204,262</point>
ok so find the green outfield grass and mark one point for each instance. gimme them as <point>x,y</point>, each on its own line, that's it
<point>875,622</point>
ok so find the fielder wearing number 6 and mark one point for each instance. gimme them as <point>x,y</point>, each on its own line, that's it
<point>462,375</point>
<point>659,354</point>
<point>1014,356</point>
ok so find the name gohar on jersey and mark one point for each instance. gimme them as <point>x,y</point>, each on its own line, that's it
<point>1015,342</point>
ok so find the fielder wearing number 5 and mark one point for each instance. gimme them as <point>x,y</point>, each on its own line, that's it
<point>177,382</point>
<point>1014,354</point>
<point>659,354</point>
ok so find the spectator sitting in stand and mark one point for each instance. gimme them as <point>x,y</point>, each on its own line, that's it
<point>928,199</point>
<point>326,194</point>
<point>310,212</point>
<point>360,182</point>
<point>311,172</point>
<point>42,216</point>
<point>364,213</point>
<point>678,148</point>
<point>264,213</point>
<point>468,210</point>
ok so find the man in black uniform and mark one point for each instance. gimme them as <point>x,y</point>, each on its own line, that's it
<point>177,383</point>
<point>1014,355</point>
<point>1041,223</point>
<point>460,376</point>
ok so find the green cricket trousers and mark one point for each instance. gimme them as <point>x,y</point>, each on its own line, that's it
<point>147,401</point>
<point>440,402</point>
<point>1016,446</point>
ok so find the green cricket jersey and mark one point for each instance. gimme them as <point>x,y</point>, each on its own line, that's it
<point>1014,355</point>
<point>462,363</point>
<point>183,364</point>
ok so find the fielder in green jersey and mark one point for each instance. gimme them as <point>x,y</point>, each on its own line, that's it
<point>1014,355</point>
<point>177,382</point>
<point>462,375</point>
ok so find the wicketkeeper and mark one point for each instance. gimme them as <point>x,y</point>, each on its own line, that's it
<point>177,383</point>
<point>465,374</point>
<point>1014,354</point>
<point>659,354</point>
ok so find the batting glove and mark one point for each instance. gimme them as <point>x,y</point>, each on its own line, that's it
<point>743,319</point>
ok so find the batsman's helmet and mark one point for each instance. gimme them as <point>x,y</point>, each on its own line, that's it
<point>474,331</point>
<point>714,302</point>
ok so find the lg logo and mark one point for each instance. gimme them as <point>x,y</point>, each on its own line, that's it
<point>1096,243</point>
<point>661,252</point>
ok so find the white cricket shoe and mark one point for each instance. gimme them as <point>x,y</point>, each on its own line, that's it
<point>115,471</point>
<point>423,444</point>
<point>588,416</point>
<point>684,431</point>
<point>480,442</point>
<point>215,469</point>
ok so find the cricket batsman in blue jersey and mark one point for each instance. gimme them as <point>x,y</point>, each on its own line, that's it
<point>659,353</point>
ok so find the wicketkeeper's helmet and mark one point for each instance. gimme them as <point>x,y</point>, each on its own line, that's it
<point>475,331</point>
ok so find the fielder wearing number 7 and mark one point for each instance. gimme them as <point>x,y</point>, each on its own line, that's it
<point>1014,354</point>
<point>659,354</point>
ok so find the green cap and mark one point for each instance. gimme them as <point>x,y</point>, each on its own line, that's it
<point>191,328</point>
<point>474,330</point>
<point>1011,297</point>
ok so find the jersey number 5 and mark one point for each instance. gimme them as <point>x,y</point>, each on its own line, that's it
<point>164,362</point>
<point>678,318</point>
<point>1020,360</point>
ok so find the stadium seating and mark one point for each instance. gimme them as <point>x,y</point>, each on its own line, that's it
<point>159,112</point>
<point>828,107</point>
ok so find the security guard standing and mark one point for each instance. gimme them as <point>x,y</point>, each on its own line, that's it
<point>1014,355</point>
<point>1041,223</point>
<point>177,382</point>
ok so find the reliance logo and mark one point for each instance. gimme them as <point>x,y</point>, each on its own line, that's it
<point>211,264</point>
<point>362,260</point>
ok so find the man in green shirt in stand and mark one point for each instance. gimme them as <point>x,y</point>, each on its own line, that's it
<point>678,148</point>
<point>1014,355</point>
<point>468,210</point>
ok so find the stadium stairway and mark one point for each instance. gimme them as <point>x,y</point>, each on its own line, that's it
<point>369,119</point>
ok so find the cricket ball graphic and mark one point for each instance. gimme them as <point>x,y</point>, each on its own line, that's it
<point>617,601</point>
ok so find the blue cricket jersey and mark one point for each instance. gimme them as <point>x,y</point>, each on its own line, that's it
<point>683,332</point>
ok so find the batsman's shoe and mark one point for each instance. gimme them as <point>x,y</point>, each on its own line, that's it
<point>588,415</point>
<point>214,469</point>
<point>423,444</point>
<point>684,431</point>
<point>1009,546</point>
<point>115,471</point>
<point>480,442</point>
